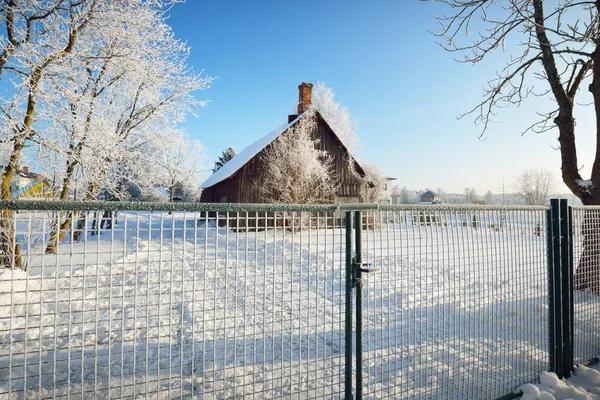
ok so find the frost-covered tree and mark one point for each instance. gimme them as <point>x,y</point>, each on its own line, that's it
<point>373,190</point>
<point>44,45</point>
<point>489,197</point>
<point>396,194</point>
<point>39,36</point>
<point>470,195</point>
<point>116,81</point>
<point>179,164</point>
<point>294,171</point>
<point>534,185</point>
<point>405,195</point>
<point>336,115</point>
<point>224,158</point>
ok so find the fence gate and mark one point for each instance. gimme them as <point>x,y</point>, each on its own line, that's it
<point>449,302</point>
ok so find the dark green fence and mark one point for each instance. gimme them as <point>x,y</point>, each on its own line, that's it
<point>275,301</point>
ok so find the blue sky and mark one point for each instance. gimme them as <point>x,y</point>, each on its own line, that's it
<point>403,89</point>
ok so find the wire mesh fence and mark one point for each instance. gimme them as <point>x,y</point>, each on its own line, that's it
<point>232,301</point>
<point>182,304</point>
<point>586,259</point>
<point>458,306</point>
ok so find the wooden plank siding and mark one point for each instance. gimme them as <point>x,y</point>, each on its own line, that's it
<point>241,187</point>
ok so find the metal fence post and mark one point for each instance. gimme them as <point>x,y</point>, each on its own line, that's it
<point>566,285</point>
<point>550,254</point>
<point>572,294</point>
<point>554,309</point>
<point>358,283</point>
<point>560,287</point>
<point>348,310</point>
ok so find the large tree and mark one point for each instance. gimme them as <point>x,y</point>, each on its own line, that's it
<point>552,50</point>
<point>39,36</point>
<point>128,86</point>
<point>91,82</point>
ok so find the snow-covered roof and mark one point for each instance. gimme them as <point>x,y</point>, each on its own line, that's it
<point>429,193</point>
<point>240,159</point>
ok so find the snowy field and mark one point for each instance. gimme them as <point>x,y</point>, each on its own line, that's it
<point>164,306</point>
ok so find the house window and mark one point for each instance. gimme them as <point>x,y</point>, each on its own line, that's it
<point>223,199</point>
<point>385,186</point>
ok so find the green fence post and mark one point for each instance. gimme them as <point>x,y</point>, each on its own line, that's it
<point>572,293</point>
<point>359,321</point>
<point>348,309</point>
<point>554,290</point>
<point>566,284</point>
<point>551,338</point>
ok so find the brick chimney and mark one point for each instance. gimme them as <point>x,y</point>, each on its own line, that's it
<point>26,170</point>
<point>305,91</point>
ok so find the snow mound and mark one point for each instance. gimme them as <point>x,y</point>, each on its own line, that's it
<point>583,385</point>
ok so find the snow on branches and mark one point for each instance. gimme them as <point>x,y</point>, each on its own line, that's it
<point>294,170</point>
<point>373,191</point>
<point>93,80</point>
<point>90,83</point>
<point>337,116</point>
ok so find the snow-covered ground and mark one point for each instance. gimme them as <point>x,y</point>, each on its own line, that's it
<point>584,384</point>
<point>167,305</point>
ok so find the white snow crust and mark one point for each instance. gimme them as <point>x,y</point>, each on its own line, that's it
<point>583,385</point>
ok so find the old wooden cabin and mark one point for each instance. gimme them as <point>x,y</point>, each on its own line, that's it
<point>239,179</point>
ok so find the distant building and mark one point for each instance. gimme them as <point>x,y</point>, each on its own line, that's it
<point>386,194</point>
<point>26,184</point>
<point>430,197</point>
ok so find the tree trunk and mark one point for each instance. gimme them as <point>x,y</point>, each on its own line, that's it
<point>80,228</point>
<point>587,274</point>
<point>10,252</point>
<point>59,232</point>
<point>95,224</point>
<point>60,229</point>
<point>9,248</point>
<point>106,220</point>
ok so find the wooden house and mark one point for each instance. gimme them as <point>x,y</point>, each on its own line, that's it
<point>430,197</point>
<point>238,180</point>
<point>26,185</point>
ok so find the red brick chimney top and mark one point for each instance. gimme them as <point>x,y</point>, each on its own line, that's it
<point>26,170</point>
<point>305,98</point>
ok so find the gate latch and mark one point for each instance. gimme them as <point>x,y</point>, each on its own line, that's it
<point>361,268</point>
<point>358,269</point>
